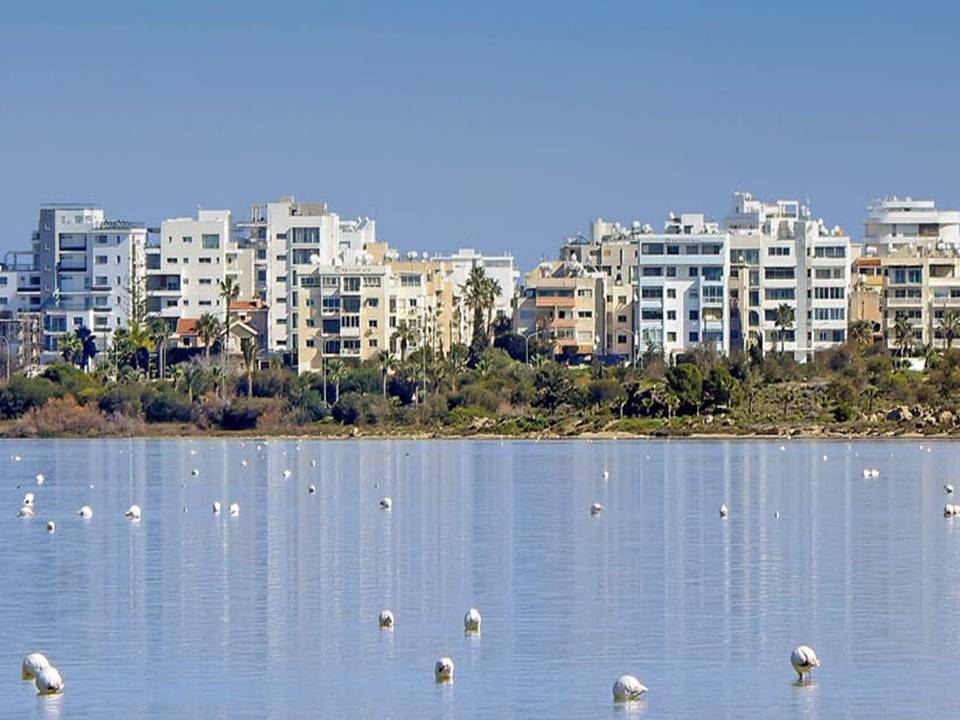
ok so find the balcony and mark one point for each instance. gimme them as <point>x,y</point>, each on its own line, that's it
<point>555,301</point>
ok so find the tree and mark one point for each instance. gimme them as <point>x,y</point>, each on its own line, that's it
<point>903,333</point>
<point>337,371</point>
<point>480,294</point>
<point>950,326</point>
<point>71,348</point>
<point>89,346</point>
<point>385,364</point>
<point>861,332</point>
<point>783,321</point>
<point>406,335</point>
<point>686,382</point>
<point>208,330</point>
<point>248,348</point>
<point>871,393</point>
<point>229,292</point>
<point>159,330</point>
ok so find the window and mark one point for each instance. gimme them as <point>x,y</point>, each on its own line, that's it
<point>205,303</point>
<point>585,293</point>
<point>651,314</point>
<point>829,313</point>
<point>172,261</point>
<point>671,314</point>
<point>206,281</point>
<point>779,294</point>
<point>372,342</point>
<point>829,293</point>
<point>651,293</point>
<point>210,241</point>
<point>409,280</point>
<point>712,274</point>
<point>350,321</point>
<point>694,336</point>
<point>186,239</point>
<point>671,271</point>
<point>304,235</point>
<point>694,315</point>
<point>310,343</point>
<point>673,249</point>
<point>712,249</point>
<point>779,251</point>
<point>671,337</point>
<point>351,284</point>
<point>651,248</point>
<point>830,251</point>
<point>778,273</point>
<point>372,323</point>
<point>712,293</point>
<point>371,281</point>
<point>621,318</point>
<point>102,260</point>
<point>652,272</point>
<point>205,261</point>
<point>622,339</point>
<point>585,314</point>
<point>671,292</point>
<point>101,240</point>
<point>693,271</point>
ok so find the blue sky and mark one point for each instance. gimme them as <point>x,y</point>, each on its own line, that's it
<point>501,125</point>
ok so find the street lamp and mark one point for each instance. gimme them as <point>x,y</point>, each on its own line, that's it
<point>526,344</point>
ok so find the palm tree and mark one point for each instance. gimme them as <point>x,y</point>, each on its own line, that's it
<point>783,321</point>
<point>337,371</point>
<point>480,295</point>
<point>141,343</point>
<point>193,376</point>
<point>159,330</point>
<point>950,326</point>
<point>71,347</point>
<point>385,363</point>
<point>248,348</point>
<point>208,330</point>
<point>903,333</point>
<point>871,393</point>
<point>861,332</point>
<point>406,335</point>
<point>229,292</point>
<point>89,345</point>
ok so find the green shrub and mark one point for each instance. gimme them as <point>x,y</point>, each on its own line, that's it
<point>600,392</point>
<point>348,409</point>
<point>243,414</point>
<point>479,396</point>
<point>843,412</point>
<point>166,406</point>
<point>125,398</point>
<point>23,393</point>
<point>269,383</point>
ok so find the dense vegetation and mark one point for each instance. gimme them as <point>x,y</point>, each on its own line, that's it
<point>487,388</point>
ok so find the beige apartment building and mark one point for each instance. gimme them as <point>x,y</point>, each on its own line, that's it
<point>921,284</point>
<point>613,251</point>
<point>565,302</point>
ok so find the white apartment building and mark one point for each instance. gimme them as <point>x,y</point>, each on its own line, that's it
<point>290,238</point>
<point>186,264</point>
<point>91,271</point>
<point>499,267</point>
<point>682,286</point>
<point>778,255</point>
<point>894,224</point>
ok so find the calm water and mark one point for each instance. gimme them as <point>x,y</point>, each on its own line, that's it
<point>273,613</point>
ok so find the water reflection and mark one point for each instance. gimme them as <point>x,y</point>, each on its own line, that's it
<point>279,605</point>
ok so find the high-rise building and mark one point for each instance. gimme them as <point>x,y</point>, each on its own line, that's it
<point>91,272</point>
<point>781,258</point>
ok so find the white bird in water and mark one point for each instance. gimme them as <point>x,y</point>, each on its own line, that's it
<point>628,689</point>
<point>472,621</point>
<point>596,509</point>
<point>948,489</point>
<point>724,510</point>
<point>776,515</point>
<point>40,479</point>
<point>25,512</point>
<point>234,509</point>
<point>804,660</point>
<point>51,526</point>
<point>606,474</point>
<point>33,664</point>
<point>948,510</point>
<point>243,463</point>
<point>195,472</point>
<point>386,504</point>
<point>28,499</point>
<point>133,513</point>
<point>49,682</point>
<point>443,670</point>
<point>86,512</point>
<point>287,473</point>
<point>386,620</point>
<point>216,507</point>
<point>313,463</point>
<point>782,448</point>
<point>16,458</point>
<point>312,489</point>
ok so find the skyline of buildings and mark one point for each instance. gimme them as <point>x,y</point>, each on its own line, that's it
<point>314,286</point>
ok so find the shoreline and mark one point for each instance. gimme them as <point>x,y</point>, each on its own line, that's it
<point>164,432</point>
